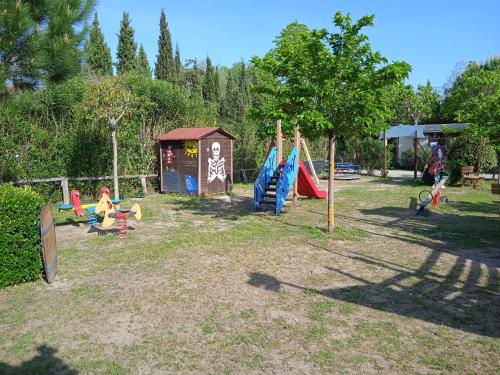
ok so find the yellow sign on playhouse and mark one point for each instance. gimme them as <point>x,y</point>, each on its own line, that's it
<point>191,148</point>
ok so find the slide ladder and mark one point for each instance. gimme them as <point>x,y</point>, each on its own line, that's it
<point>273,184</point>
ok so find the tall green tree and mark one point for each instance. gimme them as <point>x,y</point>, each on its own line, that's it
<point>63,37</point>
<point>165,65</point>
<point>143,66</point>
<point>474,98</point>
<point>332,83</point>
<point>210,82</point>
<point>20,38</point>
<point>178,64</point>
<point>414,106</point>
<point>98,60</point>
<point>127,47</point>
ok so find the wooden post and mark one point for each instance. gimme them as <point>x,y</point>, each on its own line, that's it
<point>65,190</point>
<point>384,173</point>
<point>309,160</point>
<point>331,178</point>
<point>296,183</point>
<point>479,157</point>
<point>144,185</point>
<point>415,155</point>
<point>279,143</point>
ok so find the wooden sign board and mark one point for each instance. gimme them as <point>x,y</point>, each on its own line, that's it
<point>49,250</point>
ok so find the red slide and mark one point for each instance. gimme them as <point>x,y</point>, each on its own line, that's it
<point>307,187</point>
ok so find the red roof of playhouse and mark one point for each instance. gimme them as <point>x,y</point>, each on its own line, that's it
<point>181,134</point>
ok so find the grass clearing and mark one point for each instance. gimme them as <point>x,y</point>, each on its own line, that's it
<point>203,285</point>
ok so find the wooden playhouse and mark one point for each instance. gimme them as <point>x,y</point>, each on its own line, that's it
<point>196,161</point>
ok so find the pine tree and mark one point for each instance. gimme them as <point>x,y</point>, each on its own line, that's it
<point>97,53</point>
<point>143,66</point>
<point>19,45</point>
<point>178,65</point>
<point>127,48</point>
<point>165,66</point>
<point>63,37</point>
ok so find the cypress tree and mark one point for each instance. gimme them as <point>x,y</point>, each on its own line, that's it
<point>143,67</point>
<point>178,64</point>
<point>165,66</point>
<point>97,53</point>
<point>210,82</point>
<point>127,48</point>
<point>63,37</point>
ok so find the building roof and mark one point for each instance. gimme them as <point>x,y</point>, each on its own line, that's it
<point>182,134</point>
<point>438,128</point>
<point>403,130</point>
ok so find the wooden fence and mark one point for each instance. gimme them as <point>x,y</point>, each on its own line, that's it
<point>246,175</point>
<point>65,187</point>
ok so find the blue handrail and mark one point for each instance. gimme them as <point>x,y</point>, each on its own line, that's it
<point>286,179</point>
<point>264,178</point>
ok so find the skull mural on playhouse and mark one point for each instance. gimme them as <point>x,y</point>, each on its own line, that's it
<point>216,167</point>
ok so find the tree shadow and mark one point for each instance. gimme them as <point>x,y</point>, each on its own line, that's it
<point>45,362</point>
<point>228,207</point>
<point>417,293</point>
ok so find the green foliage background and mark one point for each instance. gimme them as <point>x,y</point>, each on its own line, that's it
<point>465,151</point>
<point>20,258</point>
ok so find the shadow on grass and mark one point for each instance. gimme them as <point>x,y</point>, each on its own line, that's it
<point>45,362</point>
<point>227,207</point>
<point>457,299</point>
<point>442,300</point>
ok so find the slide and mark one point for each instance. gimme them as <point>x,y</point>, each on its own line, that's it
<point>307,187</point>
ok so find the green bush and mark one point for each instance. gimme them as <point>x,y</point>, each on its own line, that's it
<point>20,259</point>
<point>372,154</point>
<point>464,151</point>
<point>408,160</point>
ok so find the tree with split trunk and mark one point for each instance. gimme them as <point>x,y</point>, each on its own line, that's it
<point>332,83</point>
<point>108,101</point>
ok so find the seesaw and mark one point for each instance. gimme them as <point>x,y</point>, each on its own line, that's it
<point>79,209</point>
<point>433,196</point>
<point>106,208</point>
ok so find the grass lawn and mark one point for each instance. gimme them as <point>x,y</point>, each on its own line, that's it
<point>203,285</point>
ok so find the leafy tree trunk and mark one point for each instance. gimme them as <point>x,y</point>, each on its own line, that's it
<point>115,158</point>
<point>331,178</point>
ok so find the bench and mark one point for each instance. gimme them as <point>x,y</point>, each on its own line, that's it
<point>469,176</point>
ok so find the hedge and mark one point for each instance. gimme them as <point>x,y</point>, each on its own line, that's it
<point>20,257</point>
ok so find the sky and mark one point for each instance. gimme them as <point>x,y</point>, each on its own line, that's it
<point>434,37</point>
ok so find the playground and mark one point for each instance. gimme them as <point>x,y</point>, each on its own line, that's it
<point>256,292</point>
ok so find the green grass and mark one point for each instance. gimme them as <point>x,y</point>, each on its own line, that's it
<point>206,286</point>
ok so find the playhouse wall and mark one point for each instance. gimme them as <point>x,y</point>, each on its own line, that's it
<point>218,185</point>
<point>181,174</point>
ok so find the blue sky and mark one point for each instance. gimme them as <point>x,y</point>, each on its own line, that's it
<point>433,36</point>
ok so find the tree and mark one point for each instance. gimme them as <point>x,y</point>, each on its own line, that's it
<point>98,60</point>
<point>63,37</point>
<point>331,83</point>
<point>108,101</point>
<point>414,107</point>
<point>20,25</point>
<point>165,66</point>
<point>178,64</point>
<point>143,67</point>
<point>127,48</point>
<point>210,82</point>
<point>474,97</point>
